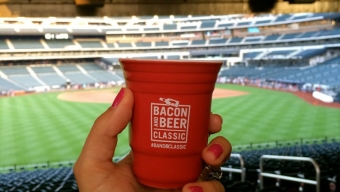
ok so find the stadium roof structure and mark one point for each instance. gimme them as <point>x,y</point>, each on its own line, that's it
<point>154,24</point>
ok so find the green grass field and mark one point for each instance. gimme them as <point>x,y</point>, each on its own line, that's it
<point>39,128</point>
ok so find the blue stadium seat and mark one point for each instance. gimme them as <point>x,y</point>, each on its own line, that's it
<point>59,44</point>
<point>143,44</point>
<point>90,44</point>
<point>26,44</point>
<point>161,43</point>
<point>217,41</point>
<point>207,24</point>
<point>198,42</point>
<point>3,44</point>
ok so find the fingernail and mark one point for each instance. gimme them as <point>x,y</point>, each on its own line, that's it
<point>118,98</point>
<point>216,149</point>
<point>196,189</point>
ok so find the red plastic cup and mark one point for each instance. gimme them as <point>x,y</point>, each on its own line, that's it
<point>170,121</point>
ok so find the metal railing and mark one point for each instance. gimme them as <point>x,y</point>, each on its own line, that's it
<point>241,170</point>
<point>315,182</point>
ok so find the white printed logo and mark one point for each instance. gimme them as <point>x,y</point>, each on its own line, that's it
<point>169,121</point>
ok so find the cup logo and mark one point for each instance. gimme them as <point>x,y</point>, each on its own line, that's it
<point>169,121</point>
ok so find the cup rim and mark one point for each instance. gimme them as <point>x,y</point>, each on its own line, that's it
<point>172,61</point>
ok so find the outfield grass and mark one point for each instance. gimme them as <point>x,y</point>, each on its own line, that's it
<point>39,128</point>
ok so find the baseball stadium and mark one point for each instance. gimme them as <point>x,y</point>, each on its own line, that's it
<point>278,90</point>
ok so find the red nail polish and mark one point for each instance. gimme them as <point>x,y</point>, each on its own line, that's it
<point>216,149</point>
<point>118,98</point>
<point>196,189</point>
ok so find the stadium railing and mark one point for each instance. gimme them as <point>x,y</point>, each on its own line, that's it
<point>262,174</point>
<point>240,170</point>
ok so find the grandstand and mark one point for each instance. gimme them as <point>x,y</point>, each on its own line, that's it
<point>295,52</point>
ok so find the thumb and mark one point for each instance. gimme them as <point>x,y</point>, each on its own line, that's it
<point>102,139</point>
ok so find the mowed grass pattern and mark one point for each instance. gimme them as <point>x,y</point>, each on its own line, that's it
<point>39,128</point>
<point>267,116</point>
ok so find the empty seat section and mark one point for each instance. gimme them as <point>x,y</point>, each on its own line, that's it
<point>14,70</point>
<point>262,22</point>
<point>308,34</point>
<point>251,54</point>
<point>3,44</point>
<point>170,27</point>
<point>151,29</point>
<point>329,32</point>
<point>124,45</point>
<point>91,67</point>
<point>59,44</point>
<point>188,27</point>
<point>143,44</point>
<point>283,18</point>
<point>217,41</point>
<point>52,79</point>
<point>225,25</point>
<point>26,44</point>
<point>207,24</point>
<point>7,85</point>
<point>91,44</point>
<point>235,40</point>
<point>271,38</point>
<point>310,53</point>
<point>26,81</point>
<point>68,68</point>
<point>105,76</point>
<point>290,36</point>
<point>252,40</point>
<point>300,17</point>
<point>162,43</point>
<point>198,42</point>
<point>43,70</point>
<point>179,43</point>
<point>79,78</point>
<point>243,23</point>
<point>281,53</point>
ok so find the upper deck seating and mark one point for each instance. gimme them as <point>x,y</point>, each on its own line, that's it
<point>27,44</point>
<point>235,40</point>
<point>188,27</point>
<point>14,70</point>
<point>105,76</point>
<point>161,43</point>
<point>59,44</point>
<point>310,53</point>
<point>68,68</point>
<point>271,37</point>
<point>170,27</point>
<point>308,34</point>
<point>290,36</point>
<point>251,54</point>
<point>3,44</point>
<point>198,42</point>
<point>90,44</point>
<point>143,44</point>
<point>283,18</point>
<point>124,45</point>
<point>244,23</point>
<point>262,22</point>
<point>217,41</point>
<point>207,24</point>
<point>52,79</point>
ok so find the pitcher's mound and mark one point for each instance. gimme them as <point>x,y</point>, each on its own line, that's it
<point>107,96</point>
